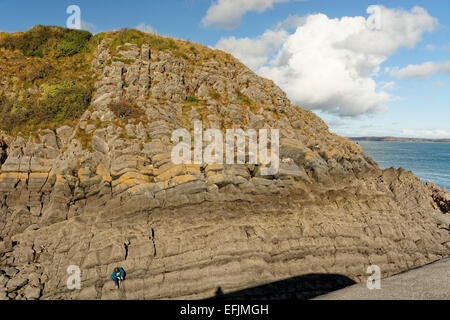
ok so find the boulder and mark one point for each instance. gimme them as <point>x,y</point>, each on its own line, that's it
<point>16,283</point>
<point>32,292</point>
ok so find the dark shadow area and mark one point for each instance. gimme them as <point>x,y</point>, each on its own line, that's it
<point>297,288</point>
<point>3,151</point>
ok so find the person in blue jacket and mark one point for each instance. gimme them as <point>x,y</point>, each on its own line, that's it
<point>118,275</point>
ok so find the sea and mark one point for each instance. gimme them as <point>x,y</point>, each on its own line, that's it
<point>430,161</point>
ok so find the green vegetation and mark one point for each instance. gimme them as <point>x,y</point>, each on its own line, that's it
<point>192,99</point>
<point>74,42</point>
<point>39,67</point>
<point>43,40</point>
<point>35,71</point>
<point>214,94</point>
<point>125,61</point>
<point>85,139</point>
<point>61,103</point>
<point>133,36</point>
<point>47,79</point>
<point>178,48</point>
<point>125,109</point>
<point>64,101</point>
<point>243,98</point>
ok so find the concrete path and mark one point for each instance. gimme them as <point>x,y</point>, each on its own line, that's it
<point>430,282</point>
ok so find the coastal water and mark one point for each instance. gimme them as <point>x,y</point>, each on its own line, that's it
<point>428,160</point>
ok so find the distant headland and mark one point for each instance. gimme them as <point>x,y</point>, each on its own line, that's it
<point>397,139</point>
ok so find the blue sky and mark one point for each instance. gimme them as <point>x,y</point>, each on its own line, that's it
<point>374,91</point>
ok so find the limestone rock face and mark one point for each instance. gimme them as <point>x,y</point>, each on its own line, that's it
<point>106,192</point>
<point>441,197</point>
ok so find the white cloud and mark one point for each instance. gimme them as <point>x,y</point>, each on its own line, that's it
<point>146,28</point>
<point>388,86</point>
<point>430,47</point>
<point>85,25</point>
<point>399,28</point>
<point>291,22</point>
<point>438,84</point>
<point>437,133</point>
<point>227,14</point>
<point>335,123</point>
<point>424,70</point>
<point>329,64</point>
<point>254,52</point>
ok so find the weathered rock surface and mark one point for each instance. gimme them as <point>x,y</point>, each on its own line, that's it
<point>181,231</point>
<point>423,283</point>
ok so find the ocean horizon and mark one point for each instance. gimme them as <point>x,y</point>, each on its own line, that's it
<point>430,161</point>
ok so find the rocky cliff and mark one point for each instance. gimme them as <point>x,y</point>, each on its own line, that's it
<point>101,190</point>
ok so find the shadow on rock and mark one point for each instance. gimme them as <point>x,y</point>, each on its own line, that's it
<point>297,288</point>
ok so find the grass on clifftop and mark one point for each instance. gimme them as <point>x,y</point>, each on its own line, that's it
<point>43,40</point>
<point>45,78</point>
<point>179,48</point>
<point>45,73</point>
